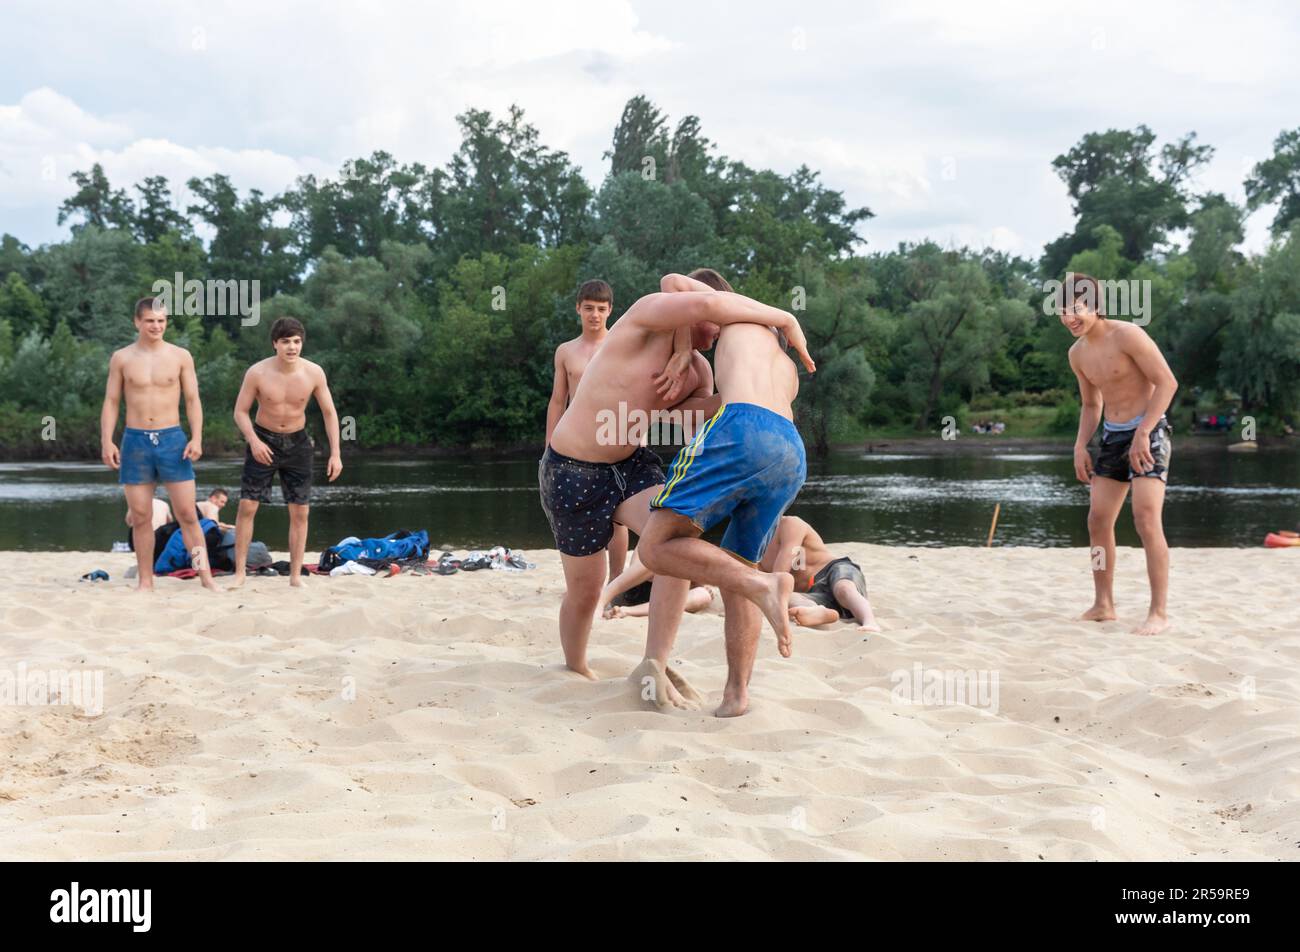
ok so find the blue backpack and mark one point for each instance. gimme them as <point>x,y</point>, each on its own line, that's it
<point>174,556</point>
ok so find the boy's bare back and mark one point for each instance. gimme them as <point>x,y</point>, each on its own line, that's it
<point>751,367</point>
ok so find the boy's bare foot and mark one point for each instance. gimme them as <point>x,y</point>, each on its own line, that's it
<point>1156,622</point>
<point>210,585</point>
<point>772,596</point>
<point>872,625</point>
<point>688,694</point>
<point>658,684</point>
<point>236,580</point>
<point>296,581</point>
<point>585,671</point>
<point>1099,613</point>
<point>143,586</point>
<point>732,705</point>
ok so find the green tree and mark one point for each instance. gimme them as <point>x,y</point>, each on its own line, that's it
<point>1117,178</point>
<point>1276,181</point>
<point>96,203</point>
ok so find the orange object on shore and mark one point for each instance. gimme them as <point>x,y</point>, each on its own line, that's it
<point>1278,540</point>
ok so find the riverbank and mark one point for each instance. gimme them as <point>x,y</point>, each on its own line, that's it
<point>428,717</point>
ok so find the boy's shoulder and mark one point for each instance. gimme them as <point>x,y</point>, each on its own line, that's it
<point>568,347</point>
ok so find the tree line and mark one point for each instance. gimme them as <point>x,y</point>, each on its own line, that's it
<point>435,296</point>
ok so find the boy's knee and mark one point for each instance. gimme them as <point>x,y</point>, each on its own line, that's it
<point>1099,522</point>
<point>649,552</point>
<point>1148,524</point>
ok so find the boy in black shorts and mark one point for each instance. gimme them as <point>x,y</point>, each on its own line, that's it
<point>278,443</point>
<point>1126,386</point>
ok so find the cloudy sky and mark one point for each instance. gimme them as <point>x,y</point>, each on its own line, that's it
<point>942,117</point>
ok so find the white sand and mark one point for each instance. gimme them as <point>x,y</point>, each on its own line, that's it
<point>226,732</point>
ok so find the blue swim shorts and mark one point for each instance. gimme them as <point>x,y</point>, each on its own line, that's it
<point>154,456</point>
<point>746,463</point>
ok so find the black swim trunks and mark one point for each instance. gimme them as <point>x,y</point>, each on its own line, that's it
<point>1112,455</point>
<point>823,585</point>
<point>291,458</point>
<point>579,498</point>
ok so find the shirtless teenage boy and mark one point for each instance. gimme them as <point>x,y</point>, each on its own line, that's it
<point>590,478</point>
<point>595,302</point>
<point>1123,375</point>
<point>746,464</point>
<point>279,443</point>
<point>827,588</point>
<point>152,374</point>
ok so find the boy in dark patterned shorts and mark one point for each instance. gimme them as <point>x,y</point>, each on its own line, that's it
<point>1126,385</point>
<point>278,443</point>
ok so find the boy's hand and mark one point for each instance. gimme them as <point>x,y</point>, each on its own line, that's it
<point>1139,454</point>
<point>794,334</point>
<point>1082,464</point>
<point>334,467</point>
<point>261,452</point>
<point>671,381</point>
<point>110,456</point>
<point>193,450</point>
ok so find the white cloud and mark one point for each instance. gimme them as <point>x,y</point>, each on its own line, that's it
<point>942,117</point>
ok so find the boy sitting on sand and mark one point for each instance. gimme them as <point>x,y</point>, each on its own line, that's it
<point>1123,375</point>
<point>279,443</point>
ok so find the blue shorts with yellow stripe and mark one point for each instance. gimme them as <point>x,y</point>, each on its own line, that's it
<point>746,463</point>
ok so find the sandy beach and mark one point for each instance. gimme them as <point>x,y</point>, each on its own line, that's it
<point>427,717</point>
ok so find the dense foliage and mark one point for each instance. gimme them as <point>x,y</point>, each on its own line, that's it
<point>434,297</point>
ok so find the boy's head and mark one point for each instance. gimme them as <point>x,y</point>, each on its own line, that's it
<point>1083,304</point>
<point>705,333</point>
<point>595,302</point>
<point>287,337</point>
<point>151,317</point>
<point>218,497</point>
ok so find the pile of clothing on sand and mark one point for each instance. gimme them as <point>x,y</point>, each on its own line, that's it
<point>393,554</point>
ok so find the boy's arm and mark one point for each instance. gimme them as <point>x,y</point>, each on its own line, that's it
<point>325,400</point>
<point>669,311</point>
<point>1155,368</point>
<point>243,404</point>
<point>680,282</point>
<point>108,414</point>
<point>671,381</point>
<point>790,538</point>
<point>193,406</point>
<point>559,396</point>
<point>1089,418</point>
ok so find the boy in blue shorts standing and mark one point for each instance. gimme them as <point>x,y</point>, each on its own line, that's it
<point>746,464</point>
<point>152,374</point>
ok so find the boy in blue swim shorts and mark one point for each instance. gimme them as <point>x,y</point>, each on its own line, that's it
<point>746,464</point>
<point>152,375</point>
